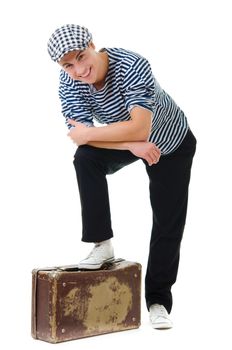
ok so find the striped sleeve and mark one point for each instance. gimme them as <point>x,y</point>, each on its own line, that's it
<point>138,85</point>
<point>73,103</point>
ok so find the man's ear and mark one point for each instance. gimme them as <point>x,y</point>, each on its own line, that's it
<point>91,44</point>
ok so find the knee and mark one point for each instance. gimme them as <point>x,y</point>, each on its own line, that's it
<point>81,155</point>
<point>81,151</point>
<point>86,159</point>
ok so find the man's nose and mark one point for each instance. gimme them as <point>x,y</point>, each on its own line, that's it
<point>78,69</point>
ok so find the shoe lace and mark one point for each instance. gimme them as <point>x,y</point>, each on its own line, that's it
<point>97,248</point>
<point>160,311</point>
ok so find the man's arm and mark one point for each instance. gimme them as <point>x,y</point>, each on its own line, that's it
<point>145,150</point>
<point>136,129</point>
<point>128,135</point>
<point>122,146</point>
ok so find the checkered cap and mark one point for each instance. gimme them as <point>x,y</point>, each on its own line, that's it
<point>68,38</point>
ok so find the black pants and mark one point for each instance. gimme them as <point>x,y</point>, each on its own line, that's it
<point>169,180</point>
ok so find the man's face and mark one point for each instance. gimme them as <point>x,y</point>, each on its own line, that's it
<point>83,65</point>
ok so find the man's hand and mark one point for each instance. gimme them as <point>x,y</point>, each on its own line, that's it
<point>78,134</point>
<point>145,150</point>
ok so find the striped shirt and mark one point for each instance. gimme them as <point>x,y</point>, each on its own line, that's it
<point>129,83</point>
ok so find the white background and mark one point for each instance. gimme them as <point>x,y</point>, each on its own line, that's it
<point>188,44</point>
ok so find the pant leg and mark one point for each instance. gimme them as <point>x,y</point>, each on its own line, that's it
<point>92,165</point>
<point>169,181</point>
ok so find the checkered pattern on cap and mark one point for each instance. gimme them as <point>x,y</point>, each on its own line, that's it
<point>67,38</point>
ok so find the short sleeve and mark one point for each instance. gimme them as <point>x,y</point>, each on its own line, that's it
<point>73,103</point>
<point>139,86</point>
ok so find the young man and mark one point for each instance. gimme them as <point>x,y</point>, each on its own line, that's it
<point>117,88</point>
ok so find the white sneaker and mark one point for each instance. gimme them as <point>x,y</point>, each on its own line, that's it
<point>159,317</point>
<point>101,253</point>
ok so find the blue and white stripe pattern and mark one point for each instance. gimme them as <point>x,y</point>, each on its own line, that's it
<point>129,83</point>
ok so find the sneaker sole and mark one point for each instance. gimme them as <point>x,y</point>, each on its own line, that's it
<point>161,326</point>
<point>95,266</point>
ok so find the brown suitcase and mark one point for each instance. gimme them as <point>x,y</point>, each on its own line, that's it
<point>68,303</point>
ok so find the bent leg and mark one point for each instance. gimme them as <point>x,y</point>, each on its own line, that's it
<point>92,165</point>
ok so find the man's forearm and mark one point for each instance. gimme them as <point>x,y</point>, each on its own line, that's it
<point>123,146</point>
<point>136,129</point>
<point>145,150</point>
<point>117,132</point>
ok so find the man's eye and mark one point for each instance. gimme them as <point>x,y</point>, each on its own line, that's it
<point>79,58</point>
